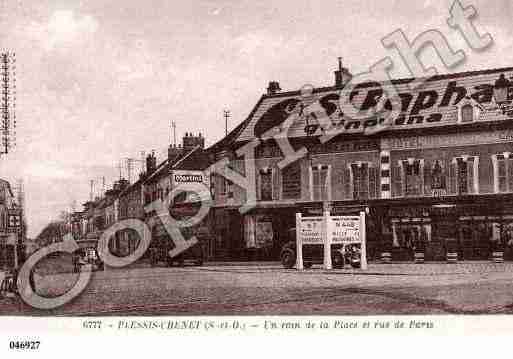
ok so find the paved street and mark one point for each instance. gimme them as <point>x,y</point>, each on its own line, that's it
<point>267,288</point>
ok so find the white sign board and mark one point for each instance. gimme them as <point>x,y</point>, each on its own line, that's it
<point>344,229</point>
<point>327,230</point>
<point>311,230</point>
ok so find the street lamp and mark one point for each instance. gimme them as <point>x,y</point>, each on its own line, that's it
<point>501,95</point>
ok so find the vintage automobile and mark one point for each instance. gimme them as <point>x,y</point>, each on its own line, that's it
<point>192,255</point>
<point>314,254</point>
<point>86,256</point>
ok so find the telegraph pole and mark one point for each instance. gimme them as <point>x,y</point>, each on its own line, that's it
<point>173,126</point>
<point>7,101</point>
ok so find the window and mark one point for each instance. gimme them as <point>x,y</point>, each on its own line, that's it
<point>363,180</point>
<point>266,184</point>
<point>413,177</point>
<point>291,181</point>
<point>503,172</point>
<point>467,113</point>
<point>438,180</point>
<point>464,176</point>
<point>360,174</point>
<point>319,183</point>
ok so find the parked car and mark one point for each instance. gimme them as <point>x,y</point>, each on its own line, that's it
<point>86,256</point>
<point>314,254</point>
<point>193,255</point>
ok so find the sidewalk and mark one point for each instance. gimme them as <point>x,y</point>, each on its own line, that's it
<point>377,268</point>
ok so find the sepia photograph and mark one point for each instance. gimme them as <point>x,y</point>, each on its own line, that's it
<point>165,162</point>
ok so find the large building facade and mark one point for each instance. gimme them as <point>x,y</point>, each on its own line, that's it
<point>434,172</point>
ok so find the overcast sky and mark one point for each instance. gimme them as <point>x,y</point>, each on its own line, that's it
<point>99,81</point>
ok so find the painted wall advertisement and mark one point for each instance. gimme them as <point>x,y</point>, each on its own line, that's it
<point>431,103</point>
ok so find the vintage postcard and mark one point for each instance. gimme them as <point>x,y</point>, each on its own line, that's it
<point>264,167</point>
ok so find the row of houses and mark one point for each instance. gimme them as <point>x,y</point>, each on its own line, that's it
<point>438,174</point>
<point>127,200</point>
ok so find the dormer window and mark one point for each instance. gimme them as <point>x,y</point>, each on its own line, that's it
<point>467,113</point>
<point>468,110</point>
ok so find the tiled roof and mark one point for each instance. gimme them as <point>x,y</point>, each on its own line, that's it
<point>198,159</point>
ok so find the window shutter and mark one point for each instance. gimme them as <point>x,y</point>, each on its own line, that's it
<point>346,183</point>
<point>427,168</point>
<point>396,181</point>
<point>452,178</point>
<point>373,180</point>
<point>470,175</point>
<point>510,174</point>
<point>258,186</point>
<point>276,183</point>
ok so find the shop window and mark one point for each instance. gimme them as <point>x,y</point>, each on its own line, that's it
<point>412,177</point>
<point>291,181</point>
<point>319,183</point>
<point>266,184</point>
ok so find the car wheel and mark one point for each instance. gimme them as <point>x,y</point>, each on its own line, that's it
<point>307,265</point>
<point>355,264</point>
<point>337,261</point>
<point>288,258</point>
<point>199,261</point>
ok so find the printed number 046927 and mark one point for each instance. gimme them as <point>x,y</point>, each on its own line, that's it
<point>24,345</point>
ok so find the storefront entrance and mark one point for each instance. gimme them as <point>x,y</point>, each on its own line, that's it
<point>472,231</point>
<point>475,238</point>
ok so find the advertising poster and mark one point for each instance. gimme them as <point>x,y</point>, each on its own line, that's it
<point>311,230</point>
<point>344,229</point>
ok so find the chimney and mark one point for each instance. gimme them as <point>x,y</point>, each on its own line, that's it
<point>273,88</point>
<point>151,163</point>
<point>191,141</point>
<point>342,75</point>
<point>173,152</point>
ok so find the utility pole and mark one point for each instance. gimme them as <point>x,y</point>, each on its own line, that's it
<point>7,101</point>
<point>226,117</point>
<point>173,126</point>
<point>119,168</point>
<point>129,164</point>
